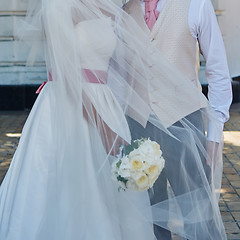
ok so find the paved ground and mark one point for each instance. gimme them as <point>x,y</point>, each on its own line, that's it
<point>11,125</point>
<point>230,197</point>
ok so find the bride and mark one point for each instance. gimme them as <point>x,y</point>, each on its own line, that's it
<point>59,184</point>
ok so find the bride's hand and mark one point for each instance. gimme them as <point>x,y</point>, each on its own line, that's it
<point>111,140</point>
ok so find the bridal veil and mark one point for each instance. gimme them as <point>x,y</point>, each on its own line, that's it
<point>106,76</point>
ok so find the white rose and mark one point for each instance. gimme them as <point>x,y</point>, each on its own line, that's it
<point>142,182</point>
<point>134,153</point>
<point>152,180</point>
<point>152,171</point>
<point>161,163</point>
<point>156,148</point>
<point>145,148</point>
<point>136,162</point>
<point>146,164</point>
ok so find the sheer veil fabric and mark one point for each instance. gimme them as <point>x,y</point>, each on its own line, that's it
<point>107,76</point>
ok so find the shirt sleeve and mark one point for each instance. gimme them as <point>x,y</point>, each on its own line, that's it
<point>219,82</point>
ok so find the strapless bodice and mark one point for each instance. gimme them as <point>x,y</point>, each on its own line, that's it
<point>97,42</point>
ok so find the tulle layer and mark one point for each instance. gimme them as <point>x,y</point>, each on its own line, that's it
<point>59,185</point>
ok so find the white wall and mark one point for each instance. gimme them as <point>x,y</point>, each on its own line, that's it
<point>13,54</point>
<point>13,5</point>
<point>229,22</point>
<point>231,29</point>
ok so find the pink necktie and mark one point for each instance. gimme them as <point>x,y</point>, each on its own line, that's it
<point>151,14</point>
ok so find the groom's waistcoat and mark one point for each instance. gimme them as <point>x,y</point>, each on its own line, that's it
<point>171,35</point>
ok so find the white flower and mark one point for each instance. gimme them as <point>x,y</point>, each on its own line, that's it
<point>140,168</point>
<point>125,162</point>
<point>142,182</point>
<point>156,148</point>
<point>131,185</point>
<point>135,153</point>
<point>152,170</point>
<point>124,172</point>
<point>161,163</point>
<point>152,180</point>
<point>145,148</point>
<point>136,162</point>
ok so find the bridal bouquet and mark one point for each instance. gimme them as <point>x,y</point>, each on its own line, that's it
<point>139,165</point>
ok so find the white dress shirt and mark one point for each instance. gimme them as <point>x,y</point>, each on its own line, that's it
<point>204,28</point>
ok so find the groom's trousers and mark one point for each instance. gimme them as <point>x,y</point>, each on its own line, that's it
<point>174,170</point>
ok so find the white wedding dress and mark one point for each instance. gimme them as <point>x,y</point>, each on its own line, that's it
<point>72,197</point>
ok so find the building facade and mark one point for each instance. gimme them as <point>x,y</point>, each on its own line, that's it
<point>227,12</point>
<point>14,74</point>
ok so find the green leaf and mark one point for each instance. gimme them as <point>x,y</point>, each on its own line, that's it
<point>122,179</point>
<point>134,145</point>
<point>118,164</point>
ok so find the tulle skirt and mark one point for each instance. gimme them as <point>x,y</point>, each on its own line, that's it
<point>59,184</point>
<point>43,197</point>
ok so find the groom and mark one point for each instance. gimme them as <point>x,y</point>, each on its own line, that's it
<point>179,29</point>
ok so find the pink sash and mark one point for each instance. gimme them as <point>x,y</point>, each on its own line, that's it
<point>91,76</point>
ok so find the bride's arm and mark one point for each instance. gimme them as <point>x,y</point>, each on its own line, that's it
<point>110,139</point>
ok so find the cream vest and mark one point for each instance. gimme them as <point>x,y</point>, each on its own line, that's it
<point>171,35</point>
